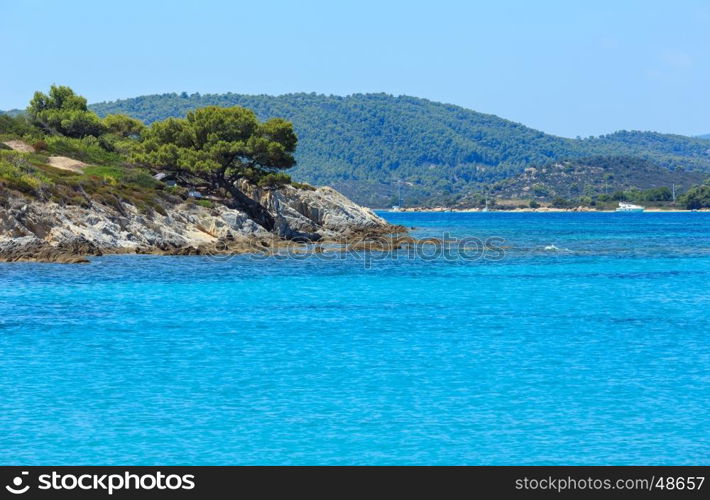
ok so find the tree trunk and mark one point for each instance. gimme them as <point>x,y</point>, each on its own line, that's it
<point>254,209</point>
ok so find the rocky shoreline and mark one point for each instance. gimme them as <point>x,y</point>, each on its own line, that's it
<point>37,231</point>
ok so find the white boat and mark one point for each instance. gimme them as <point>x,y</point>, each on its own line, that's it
<point>629,207</point>
<point>396,208</point>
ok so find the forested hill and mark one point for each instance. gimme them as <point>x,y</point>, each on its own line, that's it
<point>364,144</point>
<point>594,176</point>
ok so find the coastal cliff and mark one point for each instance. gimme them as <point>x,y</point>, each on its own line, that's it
<point>34,230</point>
<point>74,185</point>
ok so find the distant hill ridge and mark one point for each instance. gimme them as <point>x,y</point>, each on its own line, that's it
<point>363,144</point>
<point>593,176</point>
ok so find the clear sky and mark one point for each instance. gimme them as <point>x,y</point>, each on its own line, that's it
<point>566,67</point>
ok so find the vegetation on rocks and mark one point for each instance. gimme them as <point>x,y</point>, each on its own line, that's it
<point>72,184</point>
<point>367,145</point>
<point>212,148</point>
<point>116,158</point>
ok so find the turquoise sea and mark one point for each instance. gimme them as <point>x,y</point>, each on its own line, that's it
<point>592,352</point>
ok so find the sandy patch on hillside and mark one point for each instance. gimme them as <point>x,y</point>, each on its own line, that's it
<point>61,162</point>
<point>21,146</point>
<point>66,163</point>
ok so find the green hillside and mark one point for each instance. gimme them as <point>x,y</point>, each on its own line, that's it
<point>587,179</point>
<point>364,144</point>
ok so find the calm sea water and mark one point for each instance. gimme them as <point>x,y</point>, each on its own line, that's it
<point>595,353</point>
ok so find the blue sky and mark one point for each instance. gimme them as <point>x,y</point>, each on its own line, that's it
<point>566,67</point>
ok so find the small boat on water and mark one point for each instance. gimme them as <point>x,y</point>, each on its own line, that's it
<point>396,208</point>
<point>629,207</point>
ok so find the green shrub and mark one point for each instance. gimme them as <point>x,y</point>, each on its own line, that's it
<point>115,175</point>
<point>88,150</point>
<point>64,112</point>
<point>177,191</point>
<point>274,180</point>
<point>123,125</point>
<point>540,190</point>
<point>560,202</point>
<point>303,185</point>
<point>696,198</point>
<point>17,126</point>
<point>19,174</point>
<point>139,177</point>
<point>658,194</point>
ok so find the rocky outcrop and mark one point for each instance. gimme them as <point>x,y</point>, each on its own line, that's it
<point>312,214</point>
<point>30,248</point>
<point>45,231</point>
